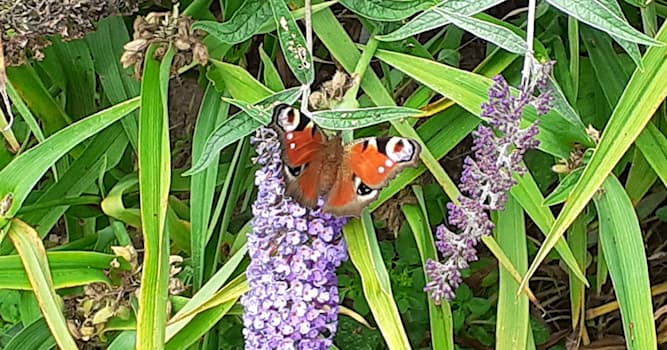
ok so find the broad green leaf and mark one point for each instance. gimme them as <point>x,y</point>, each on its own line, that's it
<point>237,127</point>
<point>601,17</point>
<point>18,178</point>
<point>557,134</point>
<point>488,31</point>
<point>341,119</point>
<point>365,255</point>
<point>512,316</point>
<point>243,25</point>
<point>298,57</point>
<point>154,165</point>
<point>641,97</point>
<point>386,10</point>
<point>33,256</point>
<point>431,19</point>
<point>623,245</point>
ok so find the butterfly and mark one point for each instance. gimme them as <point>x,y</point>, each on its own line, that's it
<point>349,176</point>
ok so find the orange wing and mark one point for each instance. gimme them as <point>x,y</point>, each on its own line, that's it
<point>368,166</point>
<point>302,144</point>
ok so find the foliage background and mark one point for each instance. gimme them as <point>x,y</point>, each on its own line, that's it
<point>84,169</point>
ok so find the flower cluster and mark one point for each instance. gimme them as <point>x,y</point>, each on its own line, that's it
<point>293,297</point>
<point>487,178</point>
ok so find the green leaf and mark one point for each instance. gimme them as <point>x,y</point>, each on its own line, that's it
<point>270,72</point>
<point>365,255</point>
<point>431,18</point>
<point>488,31</point>
<point>33,256</point>
<point>641,97</point>
<point>211,115</point>
<point>293,44</point>
<point>653,145</point>
<point>470,91</point>
<point>601,17</point>
<point>19,176</point>
<point>237,80</point>
<point>512,316</point>
<point>237,127</point>
<point>154,165</point>
<point>562,191</point>
<point>341,119</point>
<point>440,315</point>
<point>244,24</point>
<point>386,10</point>
<point>35,335</point>
<point>623,245</point>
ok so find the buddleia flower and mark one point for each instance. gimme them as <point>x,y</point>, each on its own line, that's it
<point>293,298</point>
<point>487,178</point>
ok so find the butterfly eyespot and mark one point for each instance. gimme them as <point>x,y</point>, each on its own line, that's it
<point>400,150</point>
<point>287,117</point>
<point>363,190</point>
<point>294,171</point>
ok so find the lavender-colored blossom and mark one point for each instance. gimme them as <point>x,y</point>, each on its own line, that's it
<point>293,298</point>
<point>487,178</point>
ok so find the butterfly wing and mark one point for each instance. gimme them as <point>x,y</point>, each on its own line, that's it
<point>302,145</point>
<point>368,166</point>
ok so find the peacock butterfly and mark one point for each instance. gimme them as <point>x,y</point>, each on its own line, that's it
<point>349,176</point>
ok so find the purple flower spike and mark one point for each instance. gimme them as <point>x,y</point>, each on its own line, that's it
<point>293,298</point>
<point>487,178</point>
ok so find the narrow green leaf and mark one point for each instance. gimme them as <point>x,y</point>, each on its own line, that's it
<point>295,49</point>
<point>270,72</point>
<point>440,315</point>
<point>577,240</point>
<point>154,179</point>
<point>642,96</point>
<point>386,10</point>
<point>341,119</point>
<point>18,178</point>
<point>653,145</point>
<point>470,91</point>
<point>240,83</point>
<point>601,17</point>
<point>512,316</point>
<point>431,19</point>
<point>365,255</point>
<point>35,335</point>
<point>562,191</point>
<point>623,246</point>
<point>204,294</point>
<point>237,127</point>
<point>33,255</point>
<point>243,25</point>
<point>211,114</point>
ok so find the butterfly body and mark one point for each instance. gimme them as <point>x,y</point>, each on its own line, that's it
<point>350,176</point>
